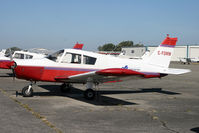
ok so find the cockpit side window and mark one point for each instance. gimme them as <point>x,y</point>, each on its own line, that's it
<point>71,58</point>
<point>29,56</point>
<point>89,60</point>
<point>18,56</point>
<point>56,56</point>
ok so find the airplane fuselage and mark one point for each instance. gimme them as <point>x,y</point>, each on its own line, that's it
<point>47,70</point>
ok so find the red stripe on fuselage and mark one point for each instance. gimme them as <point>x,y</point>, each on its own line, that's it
<point>41,74</point>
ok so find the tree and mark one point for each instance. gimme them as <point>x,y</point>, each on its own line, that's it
<point>123,44</point>
<point>138,45</point>
<point>112,47</point>
<point>13,49</point>
<point>107,47</point>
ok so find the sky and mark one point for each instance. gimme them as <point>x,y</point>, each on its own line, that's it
<point>57,24</point>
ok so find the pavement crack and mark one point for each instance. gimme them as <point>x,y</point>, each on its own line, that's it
<point>165,126</point>
<point>163,123</point>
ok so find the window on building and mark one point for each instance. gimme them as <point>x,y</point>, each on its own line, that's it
<point>89,60</point>
<point>132,51</point>
<point>123,52</point>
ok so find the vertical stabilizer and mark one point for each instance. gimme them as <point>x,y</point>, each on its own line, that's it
<point>78,46</point>
<point>161,57</point>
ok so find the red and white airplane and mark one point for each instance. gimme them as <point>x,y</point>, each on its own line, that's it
<point>7,62</point>
<point>77,66</point>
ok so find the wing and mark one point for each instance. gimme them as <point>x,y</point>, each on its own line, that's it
<point>105,75</point>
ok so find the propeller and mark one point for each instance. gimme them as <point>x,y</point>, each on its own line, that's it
<point>13,64</point>
<point>10,52</point>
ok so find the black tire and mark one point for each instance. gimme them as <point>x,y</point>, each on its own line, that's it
<point>65,88</point>
<point>25,92</point>
<point>89,94</point>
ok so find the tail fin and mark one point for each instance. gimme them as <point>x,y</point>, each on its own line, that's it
<point>161,57</point>
<point>78,46</point>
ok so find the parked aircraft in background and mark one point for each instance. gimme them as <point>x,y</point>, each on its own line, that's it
<point>184,60</point>
<point>2,52</point>
<point>77,66</point>
<point>7,62</point>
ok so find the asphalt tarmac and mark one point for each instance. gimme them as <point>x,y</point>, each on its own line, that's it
<point>167,105</point>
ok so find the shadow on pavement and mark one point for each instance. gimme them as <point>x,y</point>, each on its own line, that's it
<point>77,94</point>
<point>196,129</point>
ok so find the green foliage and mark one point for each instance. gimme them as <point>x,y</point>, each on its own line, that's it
<point>112,47</point>
<point>107,47</point>
<point>124,44</point>
<point>138,45</point>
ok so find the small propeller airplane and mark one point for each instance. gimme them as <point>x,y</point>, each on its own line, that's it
<point>70,66</point>
<point>6,62</point>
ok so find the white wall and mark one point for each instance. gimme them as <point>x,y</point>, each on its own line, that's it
<point>194,51</point>
<point>179,52</point>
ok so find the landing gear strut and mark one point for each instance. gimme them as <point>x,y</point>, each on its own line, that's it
<point>65,87</point>
<point>27,91</point>
<point>90,93</point>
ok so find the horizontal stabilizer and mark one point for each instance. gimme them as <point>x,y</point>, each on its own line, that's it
<point>176,71</point>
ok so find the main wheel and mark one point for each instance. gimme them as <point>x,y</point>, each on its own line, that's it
<point>26,92</point>
<point>89,94</point>
<point>65,88</point>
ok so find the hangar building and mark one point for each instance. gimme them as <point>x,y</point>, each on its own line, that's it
<point>188,51</point>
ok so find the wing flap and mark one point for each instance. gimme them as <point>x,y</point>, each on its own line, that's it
<point>63,77</point>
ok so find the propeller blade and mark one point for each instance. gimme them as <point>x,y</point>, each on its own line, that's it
<point>13,70</point>
<point>13,74</point>
<point>10,52</point>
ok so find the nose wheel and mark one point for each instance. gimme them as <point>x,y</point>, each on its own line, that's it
<point>27,91</point>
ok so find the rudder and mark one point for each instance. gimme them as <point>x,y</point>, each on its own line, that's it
<point>161,57</point>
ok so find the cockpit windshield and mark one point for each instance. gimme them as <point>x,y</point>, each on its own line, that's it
<point>56,56</point>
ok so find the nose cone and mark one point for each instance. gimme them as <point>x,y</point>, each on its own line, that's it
<point>28,72</point>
